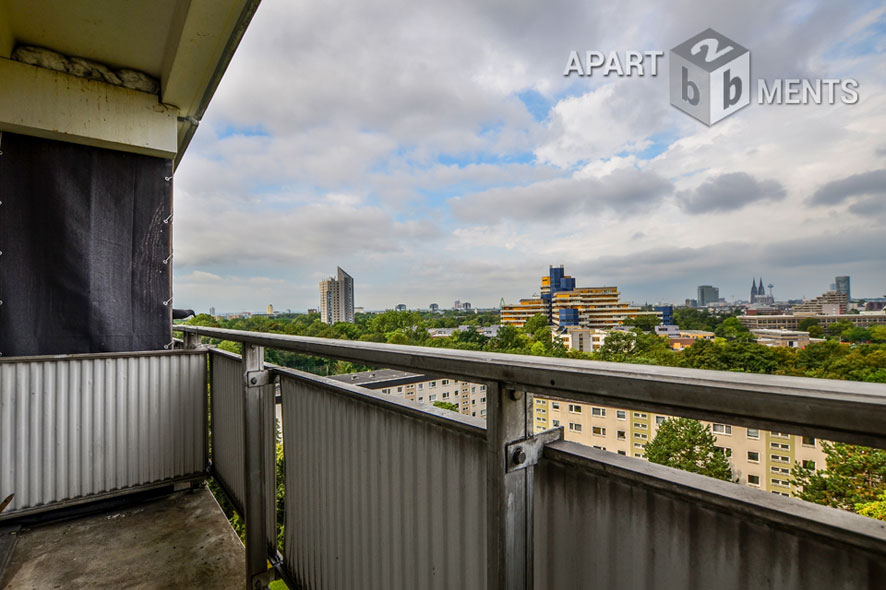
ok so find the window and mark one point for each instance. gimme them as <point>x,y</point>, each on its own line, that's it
<point>473,389</point>
<point>620,414</point>
<point>639,445</point>
<point>780,458</point>
<point>386,391</point>
<point>444,382</point>
<point>753,433</point>
<point>781,434</point>
<point>541,419</point>
<point>433,384</point>
<point>809,441</point>
<point>622,453</point>
<point>780,493</point>
<point>754,456</point>
<point>432,398</point>
<point>555,405</point>
<point>660,419</point>
<point>482,400</point>
<point>482,412</point>
<point>754,480</point>
<point>421,399</point>
<point>808,464</point>
<point>474,414</point>
<point>640,455</point>
<point>782,446</point>
<point>601,448</point>
<point>641,426</point>
<point>640,435</point>
<point>445,395</point>
<point>620,434</point>
<point>399,390</point>
<point>473,402</point>
<point>779,482</point>
<point>640,415</point>
<point>421,385</point>
<point>598,430</point>
<point>782,470</point>
<point>599,412</point>
<point>725,450</point>
<point>721,428</point>
<point>574,427</point>
<point>482,388</point>
<point>556,423</point>
<point>575,408</point>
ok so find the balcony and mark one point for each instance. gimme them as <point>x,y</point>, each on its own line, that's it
<point>382,493</point>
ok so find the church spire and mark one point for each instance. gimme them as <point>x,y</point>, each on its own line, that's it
<point>761,290</point>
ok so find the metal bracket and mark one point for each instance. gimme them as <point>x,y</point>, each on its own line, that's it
<point>525,453</point>
<point>256,378</point>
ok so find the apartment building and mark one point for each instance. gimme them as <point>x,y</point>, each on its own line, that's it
<point>469,397</point>
<point>583,339</point>
<point>337,298</point>
<point>831,303</point>
<point>759,458</point>
<point>792,322</point>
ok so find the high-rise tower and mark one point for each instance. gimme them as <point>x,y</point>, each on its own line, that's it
<point>337,298</point>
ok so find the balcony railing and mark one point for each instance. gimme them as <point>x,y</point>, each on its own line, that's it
<point>384,493</point>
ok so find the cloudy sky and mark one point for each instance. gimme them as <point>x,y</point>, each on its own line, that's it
<point>435,151</point>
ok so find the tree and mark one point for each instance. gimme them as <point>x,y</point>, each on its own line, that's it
<point>687,444</point>
<point>854,475</point>
<point>617,347</point>
<point>446,406</point>
<point>875,509</point>
<point>836,329</point>
<point>807,323</point>
<point>535,323</point>
<point>646,323</point>
<point>732,328</point>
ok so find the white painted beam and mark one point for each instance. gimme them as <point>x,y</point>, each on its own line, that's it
<point>43,103</point>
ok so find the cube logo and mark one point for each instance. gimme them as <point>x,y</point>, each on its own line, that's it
<point>710,76</point>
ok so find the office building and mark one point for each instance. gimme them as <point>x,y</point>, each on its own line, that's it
<point>400,307</point>
<point>708,294</point>
<point>792,322</point>
<point>841,285</point>
<point>337,298</point>
<point>830,303</point>
<point>667,314</point>
<point>566,305</point>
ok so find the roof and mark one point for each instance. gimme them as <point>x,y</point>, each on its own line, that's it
<point>380,378</point>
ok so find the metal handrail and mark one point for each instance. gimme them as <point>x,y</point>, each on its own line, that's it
<point>837,410</point>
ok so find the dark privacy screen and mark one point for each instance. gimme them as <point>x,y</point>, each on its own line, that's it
<point>83,239</point>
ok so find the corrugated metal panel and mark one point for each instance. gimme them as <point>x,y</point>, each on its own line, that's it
<point>378,498</point>
<point>596,530</point>
<point>227,424</point>
<point>76,427</point>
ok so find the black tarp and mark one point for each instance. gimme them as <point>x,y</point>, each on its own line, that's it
<point>83,239</point>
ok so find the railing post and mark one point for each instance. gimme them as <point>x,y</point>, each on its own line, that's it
<point>508,493</point>
<point>191,341</point>
<point>255,440</point>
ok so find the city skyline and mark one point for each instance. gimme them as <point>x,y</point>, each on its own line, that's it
<point>428,166</point>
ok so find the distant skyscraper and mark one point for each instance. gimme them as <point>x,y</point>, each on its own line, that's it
<point>337,298</point>
<point>434,307</point>
<point>842,286</point>
<point>211,311</point>
<point>708,294</point>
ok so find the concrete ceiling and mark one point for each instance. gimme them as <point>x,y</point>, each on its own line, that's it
<point>126,33</point>
<point>185,44</point>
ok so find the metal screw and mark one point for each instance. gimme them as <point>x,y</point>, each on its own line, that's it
<point>253,380</point>
<point>516,395</point>
<point>519,456</point>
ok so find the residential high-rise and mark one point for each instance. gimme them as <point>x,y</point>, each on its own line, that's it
<point>708,294</point>
<point>842,286</point>
<point>337,298</point>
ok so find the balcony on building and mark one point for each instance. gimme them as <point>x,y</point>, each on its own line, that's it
<point>110,428</point>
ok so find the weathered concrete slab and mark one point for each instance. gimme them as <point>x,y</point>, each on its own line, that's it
<point>178,541</point>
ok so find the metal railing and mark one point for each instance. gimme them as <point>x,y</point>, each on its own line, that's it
<point>76,428</point>
<point>366,504</point>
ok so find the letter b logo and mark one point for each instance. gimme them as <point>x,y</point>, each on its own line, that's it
<point>710,76</point>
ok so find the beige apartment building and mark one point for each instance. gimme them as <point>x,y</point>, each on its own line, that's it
<point>759,458</point>
<point>469,397</point>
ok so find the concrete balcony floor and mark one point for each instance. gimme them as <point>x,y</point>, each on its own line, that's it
<point>181,540</point>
